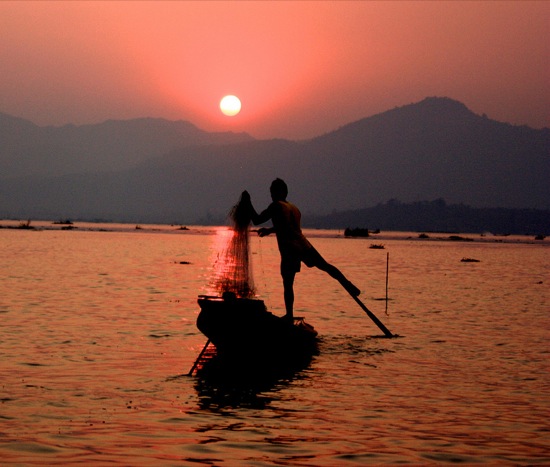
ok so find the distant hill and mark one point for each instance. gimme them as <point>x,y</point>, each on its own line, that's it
<point>115,145</point>
<point>432,149</point>
<point>438,148</point>
<point>438,216</point>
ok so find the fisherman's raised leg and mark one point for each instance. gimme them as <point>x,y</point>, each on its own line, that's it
<point>334,272</point>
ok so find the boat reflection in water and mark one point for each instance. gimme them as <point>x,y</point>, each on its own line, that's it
<point>251,349</point>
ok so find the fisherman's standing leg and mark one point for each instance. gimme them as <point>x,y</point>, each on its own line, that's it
<point>288,287</point>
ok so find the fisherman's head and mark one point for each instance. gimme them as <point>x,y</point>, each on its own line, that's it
<point>279,190</point>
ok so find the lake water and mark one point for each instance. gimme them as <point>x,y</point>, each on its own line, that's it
<point>97,332</point>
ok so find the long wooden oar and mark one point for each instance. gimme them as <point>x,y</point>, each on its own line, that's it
<point>198,358</point>
<point>372,316</point>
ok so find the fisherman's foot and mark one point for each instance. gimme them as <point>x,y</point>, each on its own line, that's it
<point>351,289</point>
<point>288,319</point>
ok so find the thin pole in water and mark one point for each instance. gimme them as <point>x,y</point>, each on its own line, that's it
<point>387,271</point>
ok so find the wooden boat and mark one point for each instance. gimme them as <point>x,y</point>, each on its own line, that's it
<point>243,329</point>
<point>356,232</point>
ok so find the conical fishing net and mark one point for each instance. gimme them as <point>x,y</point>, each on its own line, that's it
<point>233,270</point>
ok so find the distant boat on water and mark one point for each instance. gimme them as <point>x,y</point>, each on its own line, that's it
<point>356,232</point>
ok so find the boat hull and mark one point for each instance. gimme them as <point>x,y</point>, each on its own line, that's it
<point>243,328</point>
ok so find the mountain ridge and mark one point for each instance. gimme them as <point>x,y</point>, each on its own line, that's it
<point>437,216</point>
<point>436,148</point>
<point>29,149</point>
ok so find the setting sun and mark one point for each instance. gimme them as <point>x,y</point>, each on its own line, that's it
<point>230,105</point>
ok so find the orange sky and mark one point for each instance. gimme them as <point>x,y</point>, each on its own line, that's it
<point>300,68</point>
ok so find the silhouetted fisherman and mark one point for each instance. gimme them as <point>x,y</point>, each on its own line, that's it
<point>293,246</point>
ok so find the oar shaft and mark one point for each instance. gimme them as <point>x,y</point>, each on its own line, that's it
<point>198,358</point>
<point>372,316</point>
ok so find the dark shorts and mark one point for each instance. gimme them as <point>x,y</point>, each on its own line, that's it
<point>291,263</point>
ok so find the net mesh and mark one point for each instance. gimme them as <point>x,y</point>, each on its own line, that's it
<point>233,269</point>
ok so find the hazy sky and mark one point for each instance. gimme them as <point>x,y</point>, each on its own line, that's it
<point>300,68</point>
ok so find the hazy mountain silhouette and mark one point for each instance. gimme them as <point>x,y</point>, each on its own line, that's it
<point>436,148</point>
<point>28,149</point>
<point>437,216</point>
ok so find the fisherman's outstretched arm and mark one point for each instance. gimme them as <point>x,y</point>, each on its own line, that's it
<point>264,216</point>
<point>256,218</point>
<point>264,231</point>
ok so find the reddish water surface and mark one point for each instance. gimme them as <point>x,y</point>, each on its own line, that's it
<point>98,327</point>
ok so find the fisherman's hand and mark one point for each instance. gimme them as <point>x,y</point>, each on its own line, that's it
<point>264,232</point>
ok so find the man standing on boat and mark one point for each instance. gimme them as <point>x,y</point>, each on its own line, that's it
<point>293,245</point>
